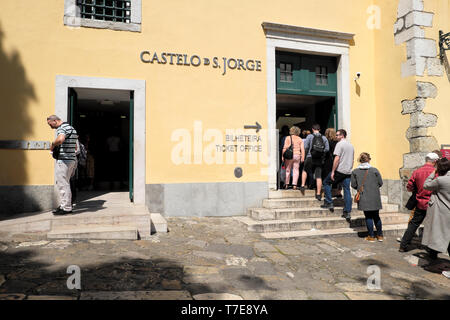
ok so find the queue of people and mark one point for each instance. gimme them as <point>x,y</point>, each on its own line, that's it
<point>329,158</point>
<point>430,187</point>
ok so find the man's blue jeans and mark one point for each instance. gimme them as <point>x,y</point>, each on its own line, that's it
<point>345,179</point>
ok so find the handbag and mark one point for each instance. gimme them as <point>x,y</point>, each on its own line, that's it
<point>412,202</point>
<point>289,153</point>
<point>358,194</point>
<point>55,152</point>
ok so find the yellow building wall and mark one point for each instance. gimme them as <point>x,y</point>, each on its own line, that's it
<point>36,46</point>
<point>391,88</point>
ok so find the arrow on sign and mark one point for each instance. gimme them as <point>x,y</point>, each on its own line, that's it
<point>257,127</point>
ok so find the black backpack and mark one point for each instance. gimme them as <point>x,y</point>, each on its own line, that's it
<point>317,147</point>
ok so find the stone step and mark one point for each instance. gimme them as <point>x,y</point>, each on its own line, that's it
<point>297,202</point>
<point>304,203</point>
<point>139,220</point>
<point>283,194</point>
<point>318,223</point>
<point>393,230</point>
<point>97,232</point>
<point>278,194</point>
<point>309,212</point>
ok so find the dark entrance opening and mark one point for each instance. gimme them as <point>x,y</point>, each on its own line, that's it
<point>102,120</point>
<point>306,93</point>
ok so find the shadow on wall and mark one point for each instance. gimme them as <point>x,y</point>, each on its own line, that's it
<point>16,92</point>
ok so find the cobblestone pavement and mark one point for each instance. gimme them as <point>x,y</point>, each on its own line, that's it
<point>217,258</point>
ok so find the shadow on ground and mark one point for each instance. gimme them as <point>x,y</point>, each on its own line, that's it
<point>25,273</point>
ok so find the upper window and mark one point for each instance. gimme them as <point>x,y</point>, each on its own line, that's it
<point>321,76</point>
<point>106,14</point>
<point>107,10</point>
<point>286,74</point>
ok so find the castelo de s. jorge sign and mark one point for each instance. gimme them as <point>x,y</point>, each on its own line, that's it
<point>187,60</point>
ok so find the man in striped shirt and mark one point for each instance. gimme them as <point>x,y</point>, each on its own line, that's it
<point>66,138</point>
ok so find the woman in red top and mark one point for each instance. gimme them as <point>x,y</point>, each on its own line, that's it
<point>299,156</point>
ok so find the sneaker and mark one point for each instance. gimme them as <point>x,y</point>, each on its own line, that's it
<point>399,239</point>
<point>328,206</point>
<point>302,188</point>
<point>56,210</point>
<point>446,274</point>
<point>380,238</point>
<point>402,249</point>
<point>60,212</point>
<point>319,197</point>
<point>370,239</point>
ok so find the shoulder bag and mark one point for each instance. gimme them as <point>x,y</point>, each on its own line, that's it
<point>358,194</point>
<point>289,153</point>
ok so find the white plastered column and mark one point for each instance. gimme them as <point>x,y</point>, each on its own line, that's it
<point>63,83</point>
<point>308,41</point>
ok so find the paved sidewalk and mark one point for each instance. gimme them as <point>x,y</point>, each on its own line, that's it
<point>217,258</point>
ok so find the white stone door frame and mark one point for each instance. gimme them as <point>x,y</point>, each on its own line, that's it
<point>309,41</point>
<point>63,83</point>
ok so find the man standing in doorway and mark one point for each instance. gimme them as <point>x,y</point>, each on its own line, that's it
<point>341,172</point>
<point>316,146</point>
<point>415,184</point>
<point>66,139</point>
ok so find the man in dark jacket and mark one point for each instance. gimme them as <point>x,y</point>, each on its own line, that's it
<point>416,183</point>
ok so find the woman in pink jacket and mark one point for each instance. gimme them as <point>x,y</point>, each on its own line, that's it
<point>299,156</point>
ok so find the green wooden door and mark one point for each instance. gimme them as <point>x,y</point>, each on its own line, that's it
<point>302,74</point>
<point>130,174</point>
<point>73,100</point>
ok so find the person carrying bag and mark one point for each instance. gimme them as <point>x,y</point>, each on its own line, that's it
<point>367,180</point>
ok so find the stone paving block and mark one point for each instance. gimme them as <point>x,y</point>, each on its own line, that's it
<point>196,278</point>
<point>362,253</point>
<point>264,247</point>
<point>327,296</point>
<point>136,295</point>
<point>232,249</point>
<point>58,244</point>
<point>323,276</point>
<point>273,295</point>
<point>327,248</point>
<point>209,255</point>
<point>370,296</point>
<point>413,260</point>
<point>217,296</point>
<point>171,284</point>
<point>51,298</point>
<point>12,296</point>
<point>276,257</point>
<point>352,286</point>
<point>288,250</point>
<point>32,244</point>
<point>262,268</point>
<point>200,270</point>
<point>198,243</point>
<point>308,284</point>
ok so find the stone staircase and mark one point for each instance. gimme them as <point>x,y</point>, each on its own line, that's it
<point>105,217</point>
<point>290,214</point>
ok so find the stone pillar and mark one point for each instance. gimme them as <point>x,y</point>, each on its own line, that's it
<point>421,55</point>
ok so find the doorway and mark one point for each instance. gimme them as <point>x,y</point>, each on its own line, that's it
<point>103,119</point>
<point>306,93</point>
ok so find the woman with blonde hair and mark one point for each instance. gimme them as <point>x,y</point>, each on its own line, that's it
<point>298,156</point>
<point>367,181</point>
